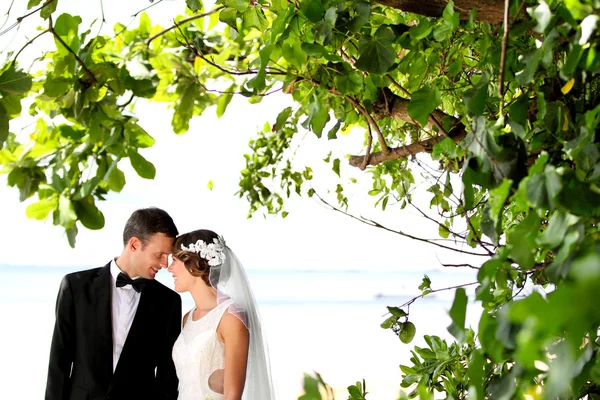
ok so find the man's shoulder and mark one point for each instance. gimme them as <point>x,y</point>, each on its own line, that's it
<point>83,275</point>
<point>166,291</point>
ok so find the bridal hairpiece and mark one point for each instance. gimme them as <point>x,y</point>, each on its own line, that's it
<point>211,252</point>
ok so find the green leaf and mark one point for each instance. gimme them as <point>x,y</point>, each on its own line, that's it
<point>389,322</point>
<point>194,5</point>
<point>351,83</point>
<point>458,313</point>
<point>363,13</point>
<point>184,108</point>
<point>49,9</point>
<point>481,142</point>
<point>254,17</point>
<point>476,97</point>
<point>116,180</point>
<point>476,375</point>
<point>407,332</point>
<point>240,5</point>
<point>376,53</point>
<point>67,216</point>
<point>421,31</point>
<point>89,215</point>
<point>336,166</point>
<point>518,111</point>
<point>446,147</point>
<point>41,209</point>
<point>143,167</point>
<point>138,136</point>
<point>312,9</point>
<point>66,26</point>
<point>317,116</point>
<point>282,118</point>
<point>531,62</point>
<point>491,223</point>
<point>543,188</point>
<point>71,235</point>
<point>258,82</point>
<point>224,101</point>
<point>425,284</point>
<point>397,312</point>
<point>33,3</point>
<point>423,102</point>
<point>14,82</point>
<point>521,241</point>
<point>228,15</point>
<point>294,55</point>
<point>3,125</point>
<point>557,228</point>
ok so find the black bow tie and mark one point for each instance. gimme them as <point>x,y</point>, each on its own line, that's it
<point>137,284</point>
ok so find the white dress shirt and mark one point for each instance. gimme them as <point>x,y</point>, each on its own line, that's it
<point>124,304</point>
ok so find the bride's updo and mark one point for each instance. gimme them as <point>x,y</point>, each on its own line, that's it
<point>196,265</point>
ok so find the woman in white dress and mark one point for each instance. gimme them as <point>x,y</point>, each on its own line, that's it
<point>221,353</point>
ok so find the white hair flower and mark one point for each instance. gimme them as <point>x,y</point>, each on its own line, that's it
<point>213,253</point>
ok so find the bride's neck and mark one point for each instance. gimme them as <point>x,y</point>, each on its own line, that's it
<point>204,296</point>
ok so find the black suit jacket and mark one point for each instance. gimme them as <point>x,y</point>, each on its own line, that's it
<point>81,354</point>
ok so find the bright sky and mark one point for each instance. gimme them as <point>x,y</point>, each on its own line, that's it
<point>311,237</point>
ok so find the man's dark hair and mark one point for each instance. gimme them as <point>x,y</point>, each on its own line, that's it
<point>146,222</point>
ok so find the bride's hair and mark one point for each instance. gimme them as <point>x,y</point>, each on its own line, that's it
<point>196,265</point>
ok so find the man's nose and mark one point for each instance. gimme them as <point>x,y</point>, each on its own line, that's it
<point>164,261</point>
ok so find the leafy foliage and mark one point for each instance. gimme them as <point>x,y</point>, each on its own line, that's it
<point>516,122</point>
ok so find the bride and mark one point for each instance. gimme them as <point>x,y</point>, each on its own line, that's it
<point>221,353</point>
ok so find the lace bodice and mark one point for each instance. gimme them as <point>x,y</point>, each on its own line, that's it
<point>198,353</point>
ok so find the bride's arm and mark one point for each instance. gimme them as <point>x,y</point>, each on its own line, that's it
<point>234,334</point>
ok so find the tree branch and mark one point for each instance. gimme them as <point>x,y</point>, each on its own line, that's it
<point>503,55</point>
<point>27,44</point>
<point>79,60</point>
<point>384,147</point>
<point>487,10</point>
<point>423,146</point>
<point>183,21</point>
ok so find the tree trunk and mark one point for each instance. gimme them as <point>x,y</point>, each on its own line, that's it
<point>487,10</point>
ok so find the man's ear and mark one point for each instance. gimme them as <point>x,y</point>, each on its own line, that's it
<point>134,244</point>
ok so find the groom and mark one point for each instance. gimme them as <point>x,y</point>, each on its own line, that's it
<point>115,325</point>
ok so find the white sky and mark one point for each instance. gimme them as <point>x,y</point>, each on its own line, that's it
<point>311,237</point>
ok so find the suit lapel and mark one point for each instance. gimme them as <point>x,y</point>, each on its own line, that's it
<point>103,319</point>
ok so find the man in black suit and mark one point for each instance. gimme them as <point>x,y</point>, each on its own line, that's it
<point>115,325</point>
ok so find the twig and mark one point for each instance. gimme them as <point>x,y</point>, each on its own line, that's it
<point>147,8</point>
<point>183,21</point>
<point>128,102</point>
<point>27,44</point>
<point>408,303</point>
<point>398,86</point>
<point>384,147</point>
<point>70,50</point>
<point>503,55</point>
<point>438,125</point>
<point>460,266</point>
<point>21,18</point>
<point>8,14</point>
<point>378,225</point>
<point>363,166</point>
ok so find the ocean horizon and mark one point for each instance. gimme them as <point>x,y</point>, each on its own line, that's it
<point>315,320</point>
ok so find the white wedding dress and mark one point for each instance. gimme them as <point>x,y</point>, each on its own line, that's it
<point>198,353</point>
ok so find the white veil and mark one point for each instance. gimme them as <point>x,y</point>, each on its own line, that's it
<point>230,281</point>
